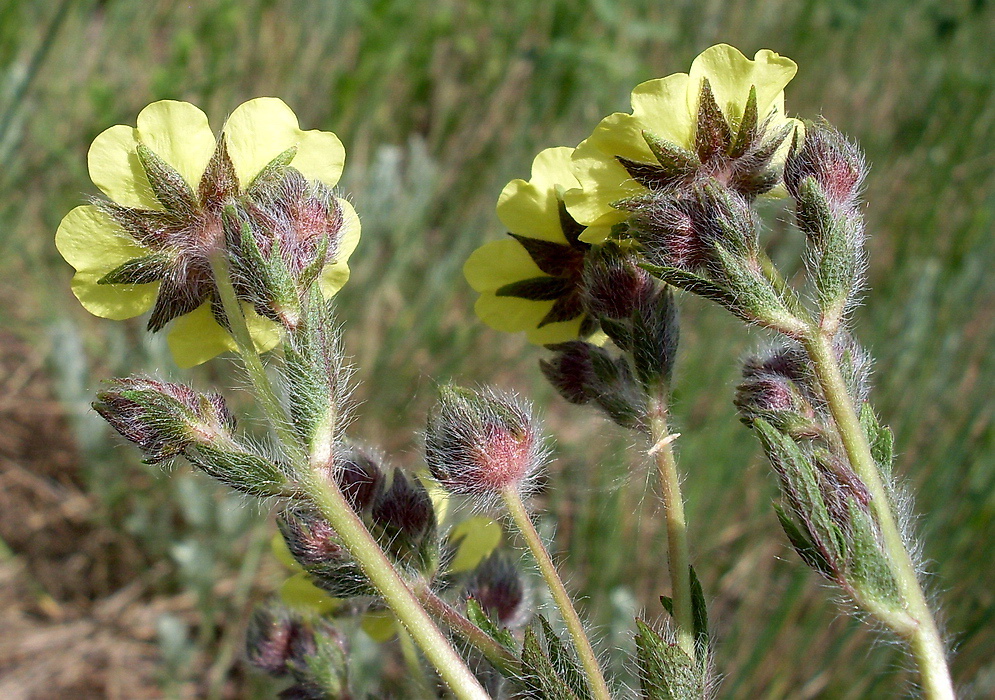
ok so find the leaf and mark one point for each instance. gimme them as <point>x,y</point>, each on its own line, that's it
<point>696,284</point>
<point>476,538</point>
<point>699,614</point>
<point>809,553</point>
<point>881,440</point>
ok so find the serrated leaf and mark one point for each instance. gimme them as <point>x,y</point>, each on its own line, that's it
<point>477,537</point>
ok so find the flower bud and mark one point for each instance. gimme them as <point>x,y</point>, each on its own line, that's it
<point>403,521</point>
<point>613,282</point>
<point>310,538</point>
<point>164,419</point>
<point>482,443</point>
<point>497,586</point>
<point>274,637</point>
<point>358,474</point>
<point>571,370</point>
<point>836,165</point>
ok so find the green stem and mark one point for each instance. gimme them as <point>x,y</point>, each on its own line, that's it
<point>589,660</point>
<point>500,657</point>
<point>261,385</point>
<point>332,504</point>
<point>679,557</point>
<point>922,635</point>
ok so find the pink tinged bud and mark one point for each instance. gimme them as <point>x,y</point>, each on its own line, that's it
<point>481,443</point>
<point>310,538</point>
<point>274,638</point>
<point>162,418</point>
<point>836,165</point>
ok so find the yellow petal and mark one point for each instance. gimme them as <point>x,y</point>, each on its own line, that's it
<point>551,169</point>
<point>555,332</point>
<point>179,133</point>
<point>114,167</point>
<point>595,235</point>
<point>320,156</point>
<point>477,537</point>
<point>602,181</point>
<point>335,275</point>
<point>660,106</point>
<point>261,129</point>
<point>533,208</point>
<point>196,337</point>
<point>498,263</point>
<point>731,74</point>
<point>91,241</point>
<point>511,314</point>
<point>113,301</point>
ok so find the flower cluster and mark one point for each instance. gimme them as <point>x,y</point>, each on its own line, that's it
<point>722,123</point>
<point>176,196</point>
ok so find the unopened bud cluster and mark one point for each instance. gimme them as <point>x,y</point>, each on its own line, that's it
<point>825,512</point>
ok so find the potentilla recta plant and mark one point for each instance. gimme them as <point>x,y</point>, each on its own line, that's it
<point>236,241</point>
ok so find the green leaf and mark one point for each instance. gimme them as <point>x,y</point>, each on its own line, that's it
<point>696,284</point>
<point>699,615</point>
<point>881,440</point>
<point>379,625</point>
<point>868,568</point>
<point>809,553</point>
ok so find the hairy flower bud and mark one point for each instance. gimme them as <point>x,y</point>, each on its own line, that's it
<point>480,443</point>
<point>358,473</point>
<point>571,370</point>
<point>836,165</point>
<point>497,586</point>
<point>275,637</point>
<point>404,522</point>
<point>613,282</point>
<point>162,418</point>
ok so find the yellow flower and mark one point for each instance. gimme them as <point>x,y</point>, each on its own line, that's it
<point>532,281</point>
<point>629,155</point>
<point>168,180</point>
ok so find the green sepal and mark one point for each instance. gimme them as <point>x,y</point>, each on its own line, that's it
<point>881,440</point>
<point>478,616</point>
<point>272,172</point>
<point>675,160</point>
<point>748,126</point>
<point>617,394</point>
<point>539,676</point>
<point>665,671</point>
<point>168,186</point>
<point>712,137</point>
<point>619,331</point>
<point>143,270</point>
<point>868,569</point>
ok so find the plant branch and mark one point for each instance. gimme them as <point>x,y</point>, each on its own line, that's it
<point>923,636</point>
<point>678,552</point>
<point>589,660</point>
<point>334,507</point>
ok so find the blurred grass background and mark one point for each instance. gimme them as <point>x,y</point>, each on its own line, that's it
<point>122,580</point>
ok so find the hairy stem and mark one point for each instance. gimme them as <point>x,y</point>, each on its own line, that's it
<point>500,657</point>
<point>334,507</point>
<point>679,557</point>
<point>922,636</point>
<point>589,660</point>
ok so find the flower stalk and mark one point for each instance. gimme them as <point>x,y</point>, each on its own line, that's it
<point>678,552</point>
<point>922,635</point>
<point>589,660</point>
<point>335,508</point>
